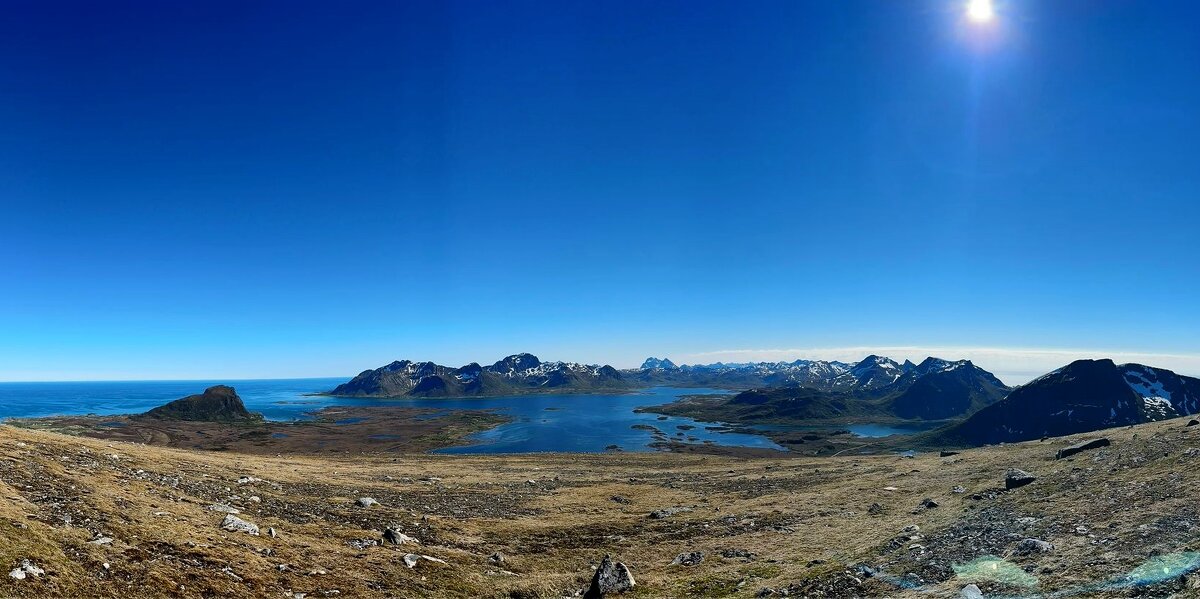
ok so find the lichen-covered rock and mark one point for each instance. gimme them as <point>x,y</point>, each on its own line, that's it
<point>611,578</point>
<point>1016,478</point>
<point>234,524</point>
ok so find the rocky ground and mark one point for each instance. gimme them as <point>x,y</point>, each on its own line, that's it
<point>85,517</point>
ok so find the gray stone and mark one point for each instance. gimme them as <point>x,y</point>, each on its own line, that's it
<point>366,502</point>
<point>395,537</point>
<point>668,512</point>
<point>970,592</point>
<point>27,568</point>
<point>1016,478</point>
<point>610,578</point>
<point>1032,546</point>
<point>234,524</point>
<point>1081,446</point>
<point>694,558</point>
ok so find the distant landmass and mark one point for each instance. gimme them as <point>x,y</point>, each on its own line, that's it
<point>978,408</point>
<point>876,388</point>
<point>934,389</point>
<point>518,373</point>
<point>1083,396</point>
<point>219,403</point>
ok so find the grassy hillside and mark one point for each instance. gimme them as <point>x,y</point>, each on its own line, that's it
<point>834,527</point>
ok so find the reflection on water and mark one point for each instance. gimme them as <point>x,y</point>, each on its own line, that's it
<point>1160,569</point>
<point>990,568</point>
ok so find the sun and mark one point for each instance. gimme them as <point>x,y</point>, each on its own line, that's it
<point>980,11</point>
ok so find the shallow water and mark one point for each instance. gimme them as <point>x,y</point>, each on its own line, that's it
<point>541,422</point>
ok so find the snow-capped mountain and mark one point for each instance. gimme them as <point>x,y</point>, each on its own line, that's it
<point>656,364</point>
<point>873,373</point>
<point>514,374</point>
<point>1082,396</point>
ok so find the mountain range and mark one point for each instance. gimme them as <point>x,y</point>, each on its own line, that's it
<point>1083,396</point>
<point>874,389</point>
<point>518,373</point>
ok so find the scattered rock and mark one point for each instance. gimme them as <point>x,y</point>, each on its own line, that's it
<point>1016,478</point>
<point>1081,446</point>
<point>611,577</point>
<point>958,489</point>
<point>668,512</point>
<point>412,559</point>
<point>946,454</point>
<point>366,502</point>
<point>496,558</point>
<point>395,537</point>
<point>101,540</point>
<point>271,532</point>
<point>1032,546</point>
<point>926,504</point>
<point>224,509</point>
<point>737,553</point>
<point>245,480</point>
<point>693,558</point>
<point>621,499</point>
<point>27,568</point>
<point>875,509</point>
<point>971,592</point>
<point>234,524</point>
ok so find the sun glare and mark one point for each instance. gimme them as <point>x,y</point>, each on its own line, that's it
<point>980,11</point>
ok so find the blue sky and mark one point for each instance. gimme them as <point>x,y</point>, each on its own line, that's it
<point>275,189</point>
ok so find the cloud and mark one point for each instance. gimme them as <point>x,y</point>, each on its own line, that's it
<point>1013,365</point>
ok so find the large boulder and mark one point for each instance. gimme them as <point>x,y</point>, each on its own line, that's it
<point>1015,477</point>
<point>1081,446</point>
<point>610,578</point>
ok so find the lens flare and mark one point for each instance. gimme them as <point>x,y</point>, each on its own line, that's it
<point>980,11</point>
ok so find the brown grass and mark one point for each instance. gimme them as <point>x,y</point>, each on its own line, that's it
<point>805,519</point>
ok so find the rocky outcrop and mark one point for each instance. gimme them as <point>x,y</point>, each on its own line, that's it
<point>1081,446</point>
<point>219,403</point>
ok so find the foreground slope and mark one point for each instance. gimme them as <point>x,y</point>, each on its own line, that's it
<point>110,519</point>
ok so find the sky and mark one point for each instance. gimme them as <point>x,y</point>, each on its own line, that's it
<point>288,189</point>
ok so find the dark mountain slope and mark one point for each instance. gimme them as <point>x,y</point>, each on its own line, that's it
<point>937,389</point>
<point>1083,396</point>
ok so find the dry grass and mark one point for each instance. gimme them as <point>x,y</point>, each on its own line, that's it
<point>553,516</point>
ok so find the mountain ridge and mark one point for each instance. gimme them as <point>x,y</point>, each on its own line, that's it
<point>1083,396</point>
